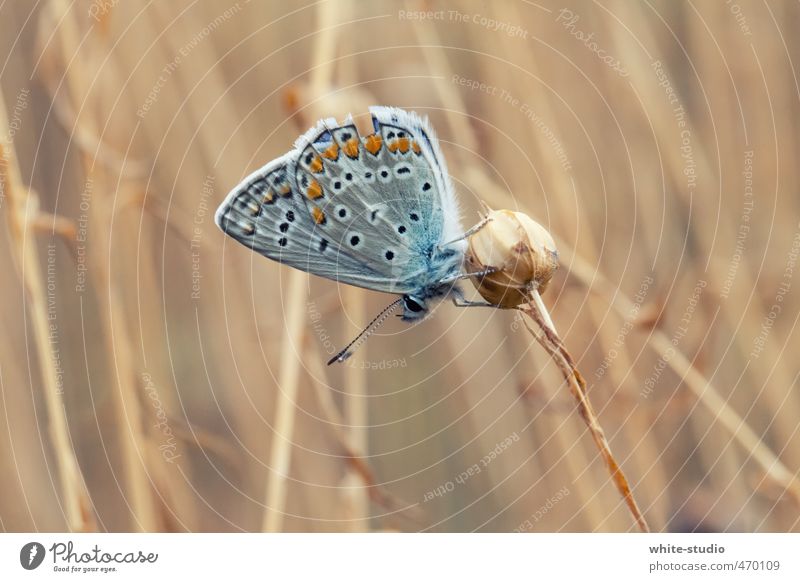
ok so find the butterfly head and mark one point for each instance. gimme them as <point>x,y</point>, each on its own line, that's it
<point>414,307</point>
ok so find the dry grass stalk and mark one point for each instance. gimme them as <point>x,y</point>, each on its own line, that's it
<point>355,456</point>
<point>573,377</point>
<point>700,386</point>
<point>280,451</point>
<point>356,499</point>
<point>356,418</point>
<point>288,384</point>
<point>23,214</point>
<point>111,309</point>
<point>550,341</point>
<point>523,258</point>
<point>775,470</point>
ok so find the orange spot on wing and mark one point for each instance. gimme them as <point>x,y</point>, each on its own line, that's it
<point>268,197</point>
<point>285,190</point>
<point>316,165</point>
<point>351,148</point>
<point>319,216</point>
<point>401,144</point>
<point>373,143</point>
<point>415,147</point>
<point>332,153</point>
<point>314,190</point>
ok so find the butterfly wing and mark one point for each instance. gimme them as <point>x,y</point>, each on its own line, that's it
<point>423,142</point>
<point>364,211</point>
<point>268,214</point>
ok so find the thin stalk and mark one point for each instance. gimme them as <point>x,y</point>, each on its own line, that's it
<point>356,418</point>
<point>22,212</point>
<point>550,341</point>
<point>285,414</point>
<point>78,77</point>
<point>698,384</point>
<point>355,456</point>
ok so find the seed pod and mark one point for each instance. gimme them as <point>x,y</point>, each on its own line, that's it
<point>521,250</point>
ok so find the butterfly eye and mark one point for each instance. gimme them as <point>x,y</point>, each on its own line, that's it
<point>412,304</point>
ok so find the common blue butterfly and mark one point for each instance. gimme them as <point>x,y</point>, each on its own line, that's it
<point>377,212</point>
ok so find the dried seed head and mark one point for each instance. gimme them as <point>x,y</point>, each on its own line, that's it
<point>521,250</point>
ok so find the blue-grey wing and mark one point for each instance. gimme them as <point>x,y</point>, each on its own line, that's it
<point>268,214</point>
<point>366,211</point>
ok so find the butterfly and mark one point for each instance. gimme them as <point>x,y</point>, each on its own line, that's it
<point>376,211</point>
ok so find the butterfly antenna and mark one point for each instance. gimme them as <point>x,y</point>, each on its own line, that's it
<point>362,337</point>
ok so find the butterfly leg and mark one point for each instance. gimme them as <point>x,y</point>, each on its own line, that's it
<point>469,233</point>
<point>460,301</point>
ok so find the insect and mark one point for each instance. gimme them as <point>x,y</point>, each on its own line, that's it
<point>376,211</point>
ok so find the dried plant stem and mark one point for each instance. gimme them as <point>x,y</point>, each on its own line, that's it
<point>325,43</point>
<point>700,386</point>
<point>23,213</point>
<point>355,413</point>
<point>730,419</point>
<point>537,300</point>
<point>467,136</point>
<point>355,455</point>
<point>550,341</point>
<point>77,77</point>
<point>450,97</point>
<point>283,427</point>
<point>288,382</point>
<point>134,451</point>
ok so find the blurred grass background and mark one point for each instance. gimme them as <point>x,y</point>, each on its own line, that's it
<point>155,376</point>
